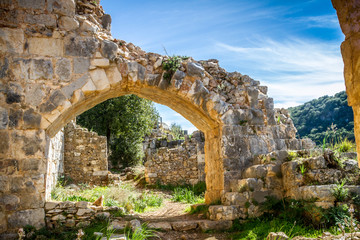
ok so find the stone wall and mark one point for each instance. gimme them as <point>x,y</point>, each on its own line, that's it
<point>59,59</point>
<point>174,162</point>
<point>55,161</point>
<point>85,157</point>
<point>301,175</point>
<point>349,15</point>
<point>75,214</point>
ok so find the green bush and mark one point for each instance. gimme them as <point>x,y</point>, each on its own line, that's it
<point>186,195</point>
<point>340,192</point>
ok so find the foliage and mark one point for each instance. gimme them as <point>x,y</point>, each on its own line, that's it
<point>198,188</point>
<point>146,200</point>
<point>124,121</point>
<point>302,169</point>
<point>170,66</point>
<point>122,195</point>
<point>176,131</point>
<point>345,145</point>
<point>141,233</point>
<point>337,215</point>
<point>291,155</point>
<point>259,228</point>
<point>312,119</point>
<point>186,195</point>
<point>340,192</point>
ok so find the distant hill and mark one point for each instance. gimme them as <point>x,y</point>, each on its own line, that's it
<point>314,118</point>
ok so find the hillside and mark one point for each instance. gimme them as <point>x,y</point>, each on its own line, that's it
<point>314,118</point>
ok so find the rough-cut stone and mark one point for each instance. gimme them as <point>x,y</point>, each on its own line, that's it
<point>45,46</point>
<point>34,217</point>
<point>63,69</point>
<point>109,49</point>
<point>184,225</point>
<point>277,236</point>
<point>79,141</point>
<point>119,225</point>
<point>67,23</point>
<point>11,40</point>
<point>32,4</point>
<point>81,46</point>
<point>163,226</point>
<point>207,225</point>
<point>62,7</point>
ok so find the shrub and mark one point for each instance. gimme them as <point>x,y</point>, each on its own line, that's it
<point>345,145</point>
<point>340,192</point>
<point>170,66</point>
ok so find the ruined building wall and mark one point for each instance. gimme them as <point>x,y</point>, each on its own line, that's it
<point>85,158</point>
<point>55,161</point>
<point>349,14</point>
<point>175,162</point>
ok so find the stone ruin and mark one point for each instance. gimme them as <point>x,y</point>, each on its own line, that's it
<point>174,162</point>
<point>58,59</point>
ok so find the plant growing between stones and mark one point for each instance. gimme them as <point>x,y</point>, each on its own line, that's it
<point>141,233</point>
<point>302,169</point>
<point>340,192</point>
<point>170,66</point>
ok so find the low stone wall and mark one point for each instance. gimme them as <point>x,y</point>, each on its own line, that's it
<point>74,214</point>
<point>175,162</point>
<point>85,157</point>
<point>299,175</point>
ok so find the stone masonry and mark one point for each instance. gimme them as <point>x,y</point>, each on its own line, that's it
<point>85,156</point>
<point>174,162</point>
<point>58,59</point>
<point>348,12</point>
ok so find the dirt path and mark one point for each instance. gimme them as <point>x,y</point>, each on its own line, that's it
<point>175,211</point>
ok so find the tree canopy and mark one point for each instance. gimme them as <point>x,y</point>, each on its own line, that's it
<point>317,118</point>
<point>124,121</point>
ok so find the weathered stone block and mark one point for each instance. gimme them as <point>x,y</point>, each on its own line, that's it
<point>31,119</point>
<point>61,7</point>
<point>68,23</point>
<point>32,4</point>
<point>63,69</point>
<point>48,20</point>
<point>3,222</point>
<point>106,21</point>
<point>184,225</point>
<point>34,217</point>
<point>10,202</point>
<point>46,46</point>
<point>164,226</point>
<point>100,79</point>
<point>195,70</point>
<point>11,40</point>
<point>207,225</point>
<point>9,166</point>
<point>81,46</point>
<point>100,62</point>
<point>4,142</point>
<point>256,171</point>
<point>81,65</point>
<point>109,49</point>
<point>34,94</point>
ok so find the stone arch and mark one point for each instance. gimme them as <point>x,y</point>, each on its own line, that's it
<point>191,105</point>
<point>58,58</point>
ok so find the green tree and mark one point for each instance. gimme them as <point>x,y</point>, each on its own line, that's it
<point>314,118</point>
<point>124,121</point>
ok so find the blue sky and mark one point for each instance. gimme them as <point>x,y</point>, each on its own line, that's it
<point>293,47</point>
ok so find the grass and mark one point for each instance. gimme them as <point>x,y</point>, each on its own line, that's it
<point>123,195</point>
<point>141,233</point>
<point>187,195</point>
<point>259,228</point>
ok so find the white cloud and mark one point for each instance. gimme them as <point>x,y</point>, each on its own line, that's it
<point>294,70</point>
<point>324,21</point>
